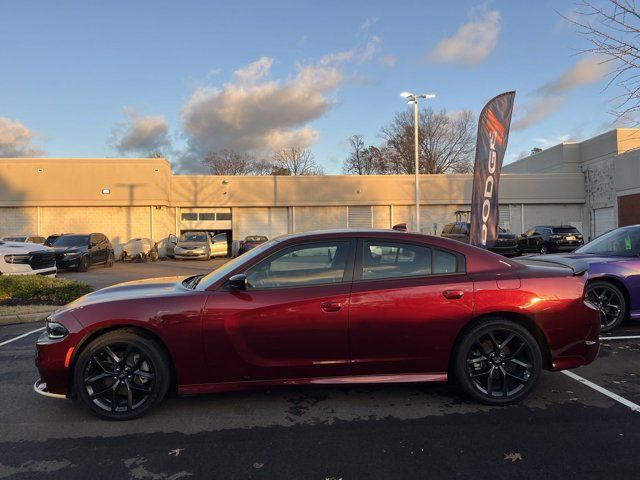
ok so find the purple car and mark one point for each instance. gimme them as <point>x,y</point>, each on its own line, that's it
<point>614,274</point>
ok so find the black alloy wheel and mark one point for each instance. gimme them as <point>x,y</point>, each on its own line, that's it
<point>121,375</point>
<point>543,250</point>
<point>610,301</point>
<point>498,362</point>
<point>84,263</point>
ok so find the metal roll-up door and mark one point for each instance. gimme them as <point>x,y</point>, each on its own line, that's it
<point>269,221</point>
<point>603,220</point>
<point>360,217</point>
<point>504,219</point>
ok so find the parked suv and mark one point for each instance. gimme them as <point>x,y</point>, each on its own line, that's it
<point>22,258</point>
<point>546,239</point>
<point>506,243</point>
<point>80,251</point>
<point>25,238</point>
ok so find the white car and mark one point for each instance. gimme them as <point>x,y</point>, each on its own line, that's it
<point>17,258</point>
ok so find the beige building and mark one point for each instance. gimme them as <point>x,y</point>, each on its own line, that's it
<point>127,198</point>
<point>610,166</point>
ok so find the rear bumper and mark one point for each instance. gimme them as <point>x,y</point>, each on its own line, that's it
<point>584,349</point>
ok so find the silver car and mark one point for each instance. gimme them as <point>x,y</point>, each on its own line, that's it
<point>200,245</point>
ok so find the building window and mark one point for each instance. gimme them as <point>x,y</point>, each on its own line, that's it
<point>223,216</point>
<point>189,217</point>
<point>207,217</point>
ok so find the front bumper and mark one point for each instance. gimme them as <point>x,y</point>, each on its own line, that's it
<point>68,262</point>
<point>40,387</point>
<point>191,254</point>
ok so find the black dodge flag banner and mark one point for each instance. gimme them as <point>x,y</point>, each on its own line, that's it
<point>493,133</point>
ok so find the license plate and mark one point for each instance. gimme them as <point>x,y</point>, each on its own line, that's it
<point>571,237</point>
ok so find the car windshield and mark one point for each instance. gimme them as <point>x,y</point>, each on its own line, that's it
<point>622,242</point>
<point>230,266</point>
<point>14,239</point>
<point>193,237</point>
<point>71,241</point>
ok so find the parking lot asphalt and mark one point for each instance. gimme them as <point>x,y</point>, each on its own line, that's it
<point>565,429</point>
<point>100,276</point>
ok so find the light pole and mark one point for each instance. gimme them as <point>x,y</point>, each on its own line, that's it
<point>413,98</point>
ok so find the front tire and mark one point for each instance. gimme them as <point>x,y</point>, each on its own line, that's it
<point>83,266</point>
<point>111,259</point>
<point>543,250</point>
<point>611,302</point>
<point>121,375</point>
<point>497,362</point>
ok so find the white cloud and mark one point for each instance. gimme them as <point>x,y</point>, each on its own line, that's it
<point>140,135</point>
<point>388,61</point>
<point>368,23</point>
<point>536,110</point>
<point>257,114</point>
<point>585,71</point>
<point>472,43</point>
<point>552,95</point>
<point>16,139</point>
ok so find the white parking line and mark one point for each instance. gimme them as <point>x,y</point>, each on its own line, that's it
<point>627,403</point>
<point>20,336</point>
<point>628,337</point>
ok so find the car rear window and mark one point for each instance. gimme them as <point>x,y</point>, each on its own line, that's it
<point>564,230</point>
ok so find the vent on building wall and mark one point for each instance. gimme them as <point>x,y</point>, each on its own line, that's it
<point>360,217</point>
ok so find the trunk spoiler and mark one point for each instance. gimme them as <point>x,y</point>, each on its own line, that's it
<point>578,267</point>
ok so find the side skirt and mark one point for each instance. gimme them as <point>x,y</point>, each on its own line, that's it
<point>194,389</point>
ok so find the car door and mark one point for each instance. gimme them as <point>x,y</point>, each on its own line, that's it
<point>94,249</point>
<point>408,300</point>
<point>220,245</point>
<point>523,242</point>
<point>290,322</point>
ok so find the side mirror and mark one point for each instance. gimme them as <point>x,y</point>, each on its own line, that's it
<point>524,235</point>
<point>238,282</point>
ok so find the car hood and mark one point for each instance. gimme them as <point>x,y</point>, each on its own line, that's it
<point>151,287</point>
<point>66,249</point>
<point>506,236</point>
<point>20,247</point>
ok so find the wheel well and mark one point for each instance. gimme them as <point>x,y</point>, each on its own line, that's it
<point>521,320</point>
<point>620,285</point>
<point>98,333</point>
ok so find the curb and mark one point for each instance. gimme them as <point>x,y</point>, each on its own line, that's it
<point>26,316</point>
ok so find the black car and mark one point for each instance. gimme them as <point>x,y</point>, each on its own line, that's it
<point>547,239</point>
<point>80,251</point>
<point>52,238</point>
<point>506,243</point>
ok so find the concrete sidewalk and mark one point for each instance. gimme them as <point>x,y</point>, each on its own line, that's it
<point>25,313</point>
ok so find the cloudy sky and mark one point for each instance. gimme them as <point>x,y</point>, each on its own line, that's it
<point>126,78</point>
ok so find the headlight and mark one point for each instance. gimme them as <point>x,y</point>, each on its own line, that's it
<point>55,330</point>
<point>71,254</point>
<point>16,258</point>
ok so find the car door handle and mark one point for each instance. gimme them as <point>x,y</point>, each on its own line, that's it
<point>331,306</point>
<point>453,294</point>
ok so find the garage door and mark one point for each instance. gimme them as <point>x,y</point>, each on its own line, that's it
<point>271,222</point>
<point>603,220</point>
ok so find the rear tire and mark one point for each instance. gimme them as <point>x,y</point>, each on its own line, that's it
<point>497,362</point>
<point>121,375</point>
<point>543,250</point>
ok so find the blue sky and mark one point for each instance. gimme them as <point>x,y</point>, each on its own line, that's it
<point>118,78</point>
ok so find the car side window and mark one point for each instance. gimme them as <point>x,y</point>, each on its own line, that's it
<point>444,262</point>
<point>394,260</point>
<point>529,232</point>
<point>303,265</point>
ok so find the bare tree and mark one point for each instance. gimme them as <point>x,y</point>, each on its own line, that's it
<point>446,142</point>
<point>363,160</point>
<point>295,161</point>
<point>613,29</point>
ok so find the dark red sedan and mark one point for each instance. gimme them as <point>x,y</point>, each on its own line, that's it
<point>323,307</point>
